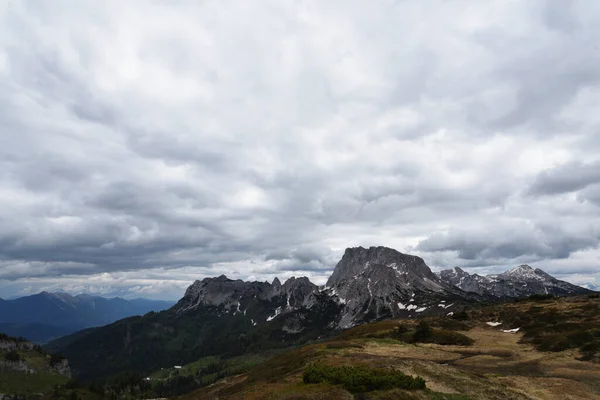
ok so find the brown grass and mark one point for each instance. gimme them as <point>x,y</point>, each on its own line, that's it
<point>497,366</point>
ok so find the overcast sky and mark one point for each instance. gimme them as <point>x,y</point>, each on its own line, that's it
<point>146,144</point>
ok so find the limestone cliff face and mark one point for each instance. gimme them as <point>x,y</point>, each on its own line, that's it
<point>13,345</point>
<point>380,282</point>
<point>358,259</point>
<point>62,368</point>
<point>256,299</point>
<point>17,366</point>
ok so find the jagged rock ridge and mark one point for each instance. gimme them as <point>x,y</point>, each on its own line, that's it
<point>521,281</point>
<point>367,284</point>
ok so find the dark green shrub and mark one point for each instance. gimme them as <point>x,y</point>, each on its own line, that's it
<point>12,356</point>
<point>454,325</point>
<point>55,359</point>
<point>461,316</point>
<point>402,329</point>
<point>449,338</point>
<point>359,379</point>
<point>422,333</point>
<point>565,341</point>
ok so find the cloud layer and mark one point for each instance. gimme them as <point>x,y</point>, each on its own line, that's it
<point>144,145</point>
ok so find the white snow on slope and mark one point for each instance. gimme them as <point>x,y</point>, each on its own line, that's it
<point>277,312</point>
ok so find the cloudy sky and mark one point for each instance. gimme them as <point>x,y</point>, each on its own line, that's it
<point>147,144</point>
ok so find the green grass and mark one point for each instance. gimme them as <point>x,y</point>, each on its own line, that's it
<point>17,382</point>
<point>203,372</point>
<point>360,379</point>
<point>21,383</point>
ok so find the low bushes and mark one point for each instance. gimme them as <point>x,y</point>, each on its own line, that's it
<point>453,324</point>
<point>359,379</point>
<point>12,356</point>
<point>565,341</point>
<point>423,333</point>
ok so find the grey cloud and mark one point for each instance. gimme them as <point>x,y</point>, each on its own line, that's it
<point>591,194</point>
<point>535,242</point>
<point>566,178</point>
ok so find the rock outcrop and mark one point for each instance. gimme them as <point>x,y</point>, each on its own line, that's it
<point>380,282</point>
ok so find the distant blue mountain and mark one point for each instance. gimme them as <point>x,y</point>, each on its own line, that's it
<point>592,286</point>
<point>45,316</point>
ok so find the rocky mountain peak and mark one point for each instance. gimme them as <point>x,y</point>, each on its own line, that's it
<point>377,281</point>
<point>276,283</point>
<point>357,260</point>
<point>525,272</point>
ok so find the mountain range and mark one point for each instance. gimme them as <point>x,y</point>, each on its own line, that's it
<point>518,282</point>
<point>220,316</point>
<point>45,316</point>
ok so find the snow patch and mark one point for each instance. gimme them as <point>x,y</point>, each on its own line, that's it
<point>494,323</point>
<point>511,330</point>
<point>401,306</point>
<point>450,314</point>
<point>421,309</point>
<point>277,312</point>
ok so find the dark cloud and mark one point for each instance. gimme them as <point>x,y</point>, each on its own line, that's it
<point>566,178</point>
<point>507,243</point>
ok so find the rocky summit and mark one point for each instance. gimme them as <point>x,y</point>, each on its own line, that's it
<point>521,281</point>
<point>380,282</point>
<point>367,284</point>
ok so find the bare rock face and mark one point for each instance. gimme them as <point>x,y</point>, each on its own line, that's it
<point>255,299</point>
<point>12,345</point>
<point>380,282</point>
<point>367,284</point>
<point>62,368</point>
<point>518,282</point>
<point>463,280</point>
<point>17,366</point>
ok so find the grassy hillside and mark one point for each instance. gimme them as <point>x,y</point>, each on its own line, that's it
<point>161,340</point>
<point>552,355</point>
<point>26,369</point>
